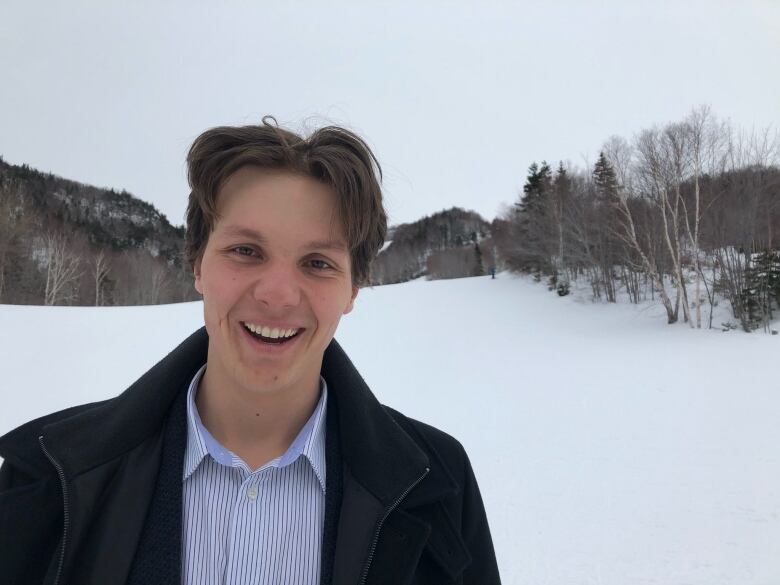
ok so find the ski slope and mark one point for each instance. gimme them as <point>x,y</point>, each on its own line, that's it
<point>610,448</point>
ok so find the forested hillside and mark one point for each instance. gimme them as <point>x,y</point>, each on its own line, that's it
<point>448,244</point>
<point>66,243</point>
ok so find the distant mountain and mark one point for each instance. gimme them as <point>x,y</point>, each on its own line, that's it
<point>107,217</point>
<point>443,245</point>
<point>142,248</point>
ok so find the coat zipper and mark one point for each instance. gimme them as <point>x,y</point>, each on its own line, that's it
<point>65,513</point>
<point>395,504</point>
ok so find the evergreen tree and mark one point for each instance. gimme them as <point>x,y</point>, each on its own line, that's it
<point>562,182</point>
<point>761,294</point>
<point>561,195</point>
<point>605,179</point>
<point>536,189</point>
<point>605,222</point>
<point>533,223</point>
<point>479,268</point>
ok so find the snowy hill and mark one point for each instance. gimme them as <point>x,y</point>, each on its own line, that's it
<point>610,448</point>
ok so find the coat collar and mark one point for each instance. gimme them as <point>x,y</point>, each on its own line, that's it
<point>380,454</point>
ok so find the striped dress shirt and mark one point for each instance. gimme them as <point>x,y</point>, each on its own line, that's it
<point>244,527</point>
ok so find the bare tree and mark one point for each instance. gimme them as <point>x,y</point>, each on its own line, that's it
<point>158,277</point>
<point>707,141</point>
<point>62,266</point>
<point>100,271</point>
<point>142,279</point>
<point>620,154</point>
<point>648,261</point>
<point>662,160</point>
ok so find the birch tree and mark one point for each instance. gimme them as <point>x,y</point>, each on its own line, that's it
<point>62,265</point>
<point>158,277</point>
<point>100,271</point>
<point>645,252</point>
<point>706,141</point>
<point>660,164</point>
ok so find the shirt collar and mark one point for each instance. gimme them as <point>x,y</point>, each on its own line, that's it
<point>310,441</point>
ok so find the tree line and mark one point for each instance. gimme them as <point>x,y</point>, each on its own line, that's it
<point>685,212</point>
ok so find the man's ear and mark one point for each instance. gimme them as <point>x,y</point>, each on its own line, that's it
<point>196,274</point>
<point>351,303</point>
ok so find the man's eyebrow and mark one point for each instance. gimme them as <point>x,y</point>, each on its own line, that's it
<point>245,232</point>
<point>335,245</point>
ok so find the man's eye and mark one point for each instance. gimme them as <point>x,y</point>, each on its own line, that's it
<point>320,264</point>
<point>243,250</point>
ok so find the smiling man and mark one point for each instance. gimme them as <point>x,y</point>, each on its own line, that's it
<point>254,452</point>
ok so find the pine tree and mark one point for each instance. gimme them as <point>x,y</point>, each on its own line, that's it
<point>752,313</point>
<point>536,189</point>
<point>770,265</point>
<point>534,222</point>
<point>761,293</point>
<point>607,246</point>
<point>479,268</point>
<point>562,183</point>
<point>605,179</point>
<point>561,195</point>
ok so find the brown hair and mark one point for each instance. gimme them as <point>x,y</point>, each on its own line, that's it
<point>335,156</point>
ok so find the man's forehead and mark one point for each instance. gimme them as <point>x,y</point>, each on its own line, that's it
<point>235,230</point>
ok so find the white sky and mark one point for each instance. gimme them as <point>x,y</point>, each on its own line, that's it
<point>457,99</point>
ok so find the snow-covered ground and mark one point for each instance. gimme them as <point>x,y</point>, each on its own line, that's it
<point>610,448</point>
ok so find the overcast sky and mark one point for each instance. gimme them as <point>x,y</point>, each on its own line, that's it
<point>456,98</point>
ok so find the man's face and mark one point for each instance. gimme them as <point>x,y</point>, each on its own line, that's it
<point>276,262</point>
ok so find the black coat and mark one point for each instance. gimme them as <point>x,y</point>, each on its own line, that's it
<point>76,485</point>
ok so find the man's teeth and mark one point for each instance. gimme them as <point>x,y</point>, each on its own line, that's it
<point>274,333</point>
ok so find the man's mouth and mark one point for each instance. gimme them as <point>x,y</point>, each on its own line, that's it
<point>273,335</point>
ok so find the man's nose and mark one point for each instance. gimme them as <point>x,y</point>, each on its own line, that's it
<point>277,286</point>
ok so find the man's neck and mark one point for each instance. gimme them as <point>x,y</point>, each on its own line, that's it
<point>256,426</point>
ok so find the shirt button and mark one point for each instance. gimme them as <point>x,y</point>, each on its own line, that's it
<point>251,492</point>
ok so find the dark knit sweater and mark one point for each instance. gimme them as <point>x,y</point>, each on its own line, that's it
<point>158,556</point>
